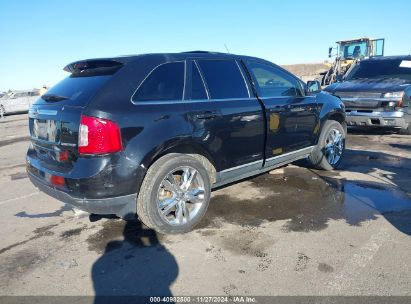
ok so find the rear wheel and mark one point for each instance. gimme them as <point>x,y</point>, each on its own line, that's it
<point>174,195</point>
<point>328,153</point>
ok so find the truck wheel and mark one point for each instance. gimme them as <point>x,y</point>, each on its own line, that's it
<point>174,195</point>
<point>328,153</point>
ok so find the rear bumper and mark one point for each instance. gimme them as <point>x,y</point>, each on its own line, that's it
<point>394,119</point>
<point>122,206</point>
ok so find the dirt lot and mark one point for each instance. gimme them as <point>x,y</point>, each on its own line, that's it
<point>293,231</point>
<point>307,71</point>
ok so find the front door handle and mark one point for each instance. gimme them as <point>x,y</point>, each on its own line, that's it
<point>297,109</point>
<point>207,115</point>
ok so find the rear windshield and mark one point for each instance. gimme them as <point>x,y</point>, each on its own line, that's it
<point>77,90</point>
<point>381,69</point>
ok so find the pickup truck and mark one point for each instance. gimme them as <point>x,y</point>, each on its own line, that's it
<point>377,93</point>
<point>152,135</point>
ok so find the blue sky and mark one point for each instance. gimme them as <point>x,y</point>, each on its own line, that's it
<point>39,37</point>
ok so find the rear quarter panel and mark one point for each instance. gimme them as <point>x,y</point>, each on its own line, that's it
<point>147,128</point>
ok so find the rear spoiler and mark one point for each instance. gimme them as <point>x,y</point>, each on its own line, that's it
<point>93,67</point>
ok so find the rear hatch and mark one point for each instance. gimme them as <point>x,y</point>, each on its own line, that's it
<point>54,119</point>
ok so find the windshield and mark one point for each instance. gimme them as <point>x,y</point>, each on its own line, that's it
<point>380,69</point>
<point>6,96</point>
<point>353,50</point>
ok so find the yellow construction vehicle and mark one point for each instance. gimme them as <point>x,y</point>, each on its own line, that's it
<point>349,51</point>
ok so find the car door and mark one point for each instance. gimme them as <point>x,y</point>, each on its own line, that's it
<point>292,117</point>
<point>225,118</point>
<point>12,104</point>
<point>23,101</point>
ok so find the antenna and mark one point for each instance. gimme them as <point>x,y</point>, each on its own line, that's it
<point>228,51</point>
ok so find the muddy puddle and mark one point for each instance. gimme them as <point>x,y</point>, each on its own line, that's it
<point>299,198</point>
<point>374,159</point>
<point>306,201</point>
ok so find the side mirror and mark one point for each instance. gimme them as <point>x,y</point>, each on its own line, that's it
<point>313,86</point>
<point>330,50</point>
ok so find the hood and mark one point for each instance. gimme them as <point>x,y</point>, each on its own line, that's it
<point>369,85</point>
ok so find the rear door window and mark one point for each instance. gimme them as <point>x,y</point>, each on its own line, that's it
<point>165,82</point>
<point>272,82</point>
<point>224,79</point>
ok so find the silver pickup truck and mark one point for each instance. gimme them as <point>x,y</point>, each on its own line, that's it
<point>17,102</point>
<point>377,93</point>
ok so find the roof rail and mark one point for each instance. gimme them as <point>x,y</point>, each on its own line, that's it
<point>201,52</point>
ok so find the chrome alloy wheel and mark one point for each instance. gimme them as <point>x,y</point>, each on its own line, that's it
<point>334,146</point>
<point>180,195</point>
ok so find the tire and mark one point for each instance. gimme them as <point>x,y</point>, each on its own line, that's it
<point>2,111</point>
<point>406,131</point>
<point>321,156</point>
<point>164,204</point>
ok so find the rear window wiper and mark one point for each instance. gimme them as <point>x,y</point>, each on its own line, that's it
<point>53,97</point>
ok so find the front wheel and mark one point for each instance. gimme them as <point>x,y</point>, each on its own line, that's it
<point>328,153</point>
<point>174,195</point>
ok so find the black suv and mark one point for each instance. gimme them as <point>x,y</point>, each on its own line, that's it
<point>153,134</point>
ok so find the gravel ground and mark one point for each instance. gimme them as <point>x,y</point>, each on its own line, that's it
<point>293,231</point>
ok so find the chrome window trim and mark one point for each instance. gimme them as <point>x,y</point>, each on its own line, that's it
<point>287,96</point>
<point>152,70</point>
<point>191,101</point>
<point>202,79</point>
<point>185,79</point>
<point>245,82</point>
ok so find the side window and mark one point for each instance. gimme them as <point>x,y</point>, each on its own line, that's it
<point>166,82</point>
<point>223,78</point>
<point>198,90</point>
<point>273,82</point>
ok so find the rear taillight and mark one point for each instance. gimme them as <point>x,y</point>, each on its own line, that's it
<point>98,136</point>
<point>57,180</point>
